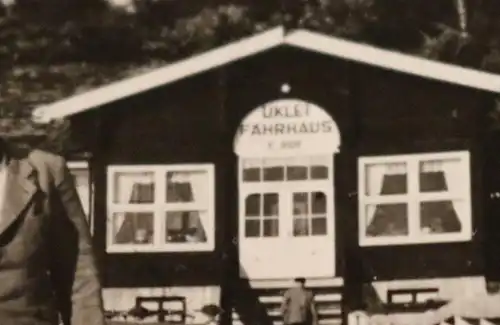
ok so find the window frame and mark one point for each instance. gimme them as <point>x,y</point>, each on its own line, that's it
<point>285,192</point>
<point>414,197</point>
<point>160,208</point>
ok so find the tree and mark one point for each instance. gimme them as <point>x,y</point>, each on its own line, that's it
<point>58,49</point>
<point>56,11</point>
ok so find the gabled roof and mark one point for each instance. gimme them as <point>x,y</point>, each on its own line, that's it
<point>264,41</point>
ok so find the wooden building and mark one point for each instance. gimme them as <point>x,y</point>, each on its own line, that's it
<point>220,178</point>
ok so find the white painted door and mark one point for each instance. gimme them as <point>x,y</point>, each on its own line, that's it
<point>261,233</point>
<point>287,229</point>
<point>285,152</point>
<point>310,247</point>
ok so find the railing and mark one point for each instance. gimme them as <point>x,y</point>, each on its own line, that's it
<point>164,315</point>
<point>412,307</point>
<point>427,318</point>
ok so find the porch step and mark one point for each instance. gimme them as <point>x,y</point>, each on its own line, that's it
<point>318,298</point>
<point>337,321</point>
<point>285,283</point>
<point>268,297</point>
<point>322,314</point>
<point>275,313</point>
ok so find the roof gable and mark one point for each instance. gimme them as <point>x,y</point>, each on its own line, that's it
<point>307,40</point>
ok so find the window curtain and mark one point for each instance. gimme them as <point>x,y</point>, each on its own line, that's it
<point>82,184</point>
<point>387,219</point>
<point>440,216</point>
<point>374,179</point>
<point>189,187</point>
<point>133,189</point>
<point>301,214</point>
<point>271,214</point>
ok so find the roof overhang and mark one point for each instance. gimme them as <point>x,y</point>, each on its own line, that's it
<point>264,41</point>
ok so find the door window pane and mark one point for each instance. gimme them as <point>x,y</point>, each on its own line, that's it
<point>185,227</point>
<point>309,221</point>
<point>270,228</point>
<point>271,205</point>
<point>274,170</point>
<point>251,170</point>
<point>252,205</point>
<point>273,174</point>
<point>252,228</point>
<point>296,173</point>
<point>300,204</point>
<point>133,228</point>
<point>300,226</point>
<point>133,187</point>
<point>318,203</point>
<point>318,226</point>
<point>297,169</point>
<point>387,220</point>
<point>320,167</point>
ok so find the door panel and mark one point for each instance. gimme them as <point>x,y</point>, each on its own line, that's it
<point>287,232</point>
<point>261,226</point>
<point>311,232</point>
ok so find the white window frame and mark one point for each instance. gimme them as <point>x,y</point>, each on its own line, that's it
<point>284,188</point>
<point>84,166</point>
<point>413,197</point>
<point>159,208</point>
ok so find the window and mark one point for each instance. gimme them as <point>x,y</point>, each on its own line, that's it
<point>262,215</point>
<point>414,199</point>
<point>282,194</point>
<point>81,177</point>
<point>286,169</point>
<point>309,214</point>
<point>161,208</point>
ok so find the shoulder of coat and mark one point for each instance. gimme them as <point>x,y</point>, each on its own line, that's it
<point>45,157</point>
<point>43,160</point>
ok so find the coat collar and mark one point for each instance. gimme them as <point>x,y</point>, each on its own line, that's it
<point>20,186</point>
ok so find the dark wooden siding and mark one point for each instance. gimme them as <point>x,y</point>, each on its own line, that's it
<point>491,179</point>
<point>317,79</point>
<point>378,113</point>
<point>402,114</point>
<point>170,125</point>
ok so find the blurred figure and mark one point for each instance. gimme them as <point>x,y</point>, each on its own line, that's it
<point>47,267</point>
<point>298,306</point>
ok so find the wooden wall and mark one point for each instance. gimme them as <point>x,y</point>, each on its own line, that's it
<point>378,112</point>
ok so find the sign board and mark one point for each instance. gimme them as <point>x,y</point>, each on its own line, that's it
<point>287,128</point>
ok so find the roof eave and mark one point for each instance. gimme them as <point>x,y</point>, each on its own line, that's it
<point>414,65</point>
<point>173,72</point>
<point>311,41</point>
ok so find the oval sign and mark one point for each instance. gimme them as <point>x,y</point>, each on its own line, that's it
<point>287,127</point>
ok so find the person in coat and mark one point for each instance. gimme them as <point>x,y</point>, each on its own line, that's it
<point>298,306</point>
<point>47,268</point>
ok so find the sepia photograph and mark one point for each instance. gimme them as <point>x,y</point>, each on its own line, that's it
<point>249,162</point>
